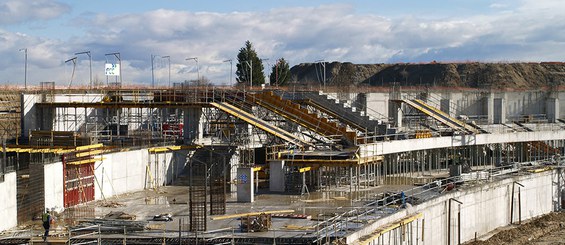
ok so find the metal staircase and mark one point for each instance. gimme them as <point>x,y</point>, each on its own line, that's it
<point>259,123</point>
<point>294,112</point>
<point>440,116</point>
<point>339,111</point>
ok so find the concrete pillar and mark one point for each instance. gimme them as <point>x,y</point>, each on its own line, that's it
<point>233,165</point>
<point>499,111</point>
<point>192,125</point>
<point>489,107</point>
<point>245,186</point>
<point>552,108</point>
<point>395,109</point>
<point>276,176</point>
<point>444,106</point>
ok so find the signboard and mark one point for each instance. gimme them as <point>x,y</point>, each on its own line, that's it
<point>112,69</point>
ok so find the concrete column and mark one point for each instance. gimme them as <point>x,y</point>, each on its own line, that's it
<point>245,186</point>
<point>192,125</point>
<point>552,108</point>
<point>499,111</point>
<point>489,107</point>
<point>276,176</point>
<point>233,165</point>
<point>395,109</point>
<point>444,106</point>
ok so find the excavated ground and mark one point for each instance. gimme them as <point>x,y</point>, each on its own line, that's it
<point>545,230</point>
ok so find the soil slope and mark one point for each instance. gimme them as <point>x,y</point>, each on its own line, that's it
<point>471,75</point>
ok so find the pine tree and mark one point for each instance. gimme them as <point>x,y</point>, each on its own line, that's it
<point>280,75</point>
<point>249,66</point>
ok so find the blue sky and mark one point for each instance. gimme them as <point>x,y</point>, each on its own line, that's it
<point>358,31</point>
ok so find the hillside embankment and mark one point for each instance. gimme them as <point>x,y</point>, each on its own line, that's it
<point>521,76</point>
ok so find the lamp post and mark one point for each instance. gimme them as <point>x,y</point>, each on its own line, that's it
<point>197,68</point>
<point>74,60</point>
<point>153,71</point>
<point>169,59</point>
<point>323,64</point>
<point>25,66</point>
<point>90,65</point>
<point>231,68</point>
<point>250,64</point>
<point>268,65</point>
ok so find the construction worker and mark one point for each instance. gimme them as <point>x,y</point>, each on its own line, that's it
<point>46,218</point>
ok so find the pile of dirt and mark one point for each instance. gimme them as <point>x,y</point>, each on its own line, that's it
<point>471,75</point>
<point>526,233</point>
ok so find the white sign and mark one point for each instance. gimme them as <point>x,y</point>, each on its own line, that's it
<point>112,69</point>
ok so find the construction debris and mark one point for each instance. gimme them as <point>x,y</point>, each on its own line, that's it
<point>163,217</point>
<point>111,204</point>
<point>291,216</point>
<point>120,215</point>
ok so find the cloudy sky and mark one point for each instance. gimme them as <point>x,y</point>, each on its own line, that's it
<point>358,31</point>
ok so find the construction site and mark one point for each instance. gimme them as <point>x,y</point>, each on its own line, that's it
<point>235,165</point>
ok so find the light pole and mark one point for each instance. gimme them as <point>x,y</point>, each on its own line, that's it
<point>323,64</point>
<point>152,71</point>
<point>231,68</point>
<point>250,64</point>
<point>268,65</point>
<point>118,56</point>
<point>197,68</point>
<point>169,59</point>
<point>74,60</point>
<point>25,66</point>
<point>90,65</point>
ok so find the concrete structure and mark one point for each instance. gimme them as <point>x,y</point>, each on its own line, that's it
<point>8,205</point>
<point>484,208</point>
<point>307,148</point>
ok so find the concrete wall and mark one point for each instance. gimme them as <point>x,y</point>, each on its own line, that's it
<point>54,195</point>
<point>473,103</point>
<point>35,118</point>
<point>8,202</point>
<point>485,208</point>
<point>124,172</point>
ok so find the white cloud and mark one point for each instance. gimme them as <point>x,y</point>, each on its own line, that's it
<point>329,32</point>
<point>17,11</point>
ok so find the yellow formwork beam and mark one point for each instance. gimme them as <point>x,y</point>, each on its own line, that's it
<point>93,160</point>
<point>379,232</point>
<point>88,147</point>
<point>539,170</point>
<point>259,168</point>
<point>89,153</point>
<point>231,216</point>
<point>305,169</point>
<point>172,148</point>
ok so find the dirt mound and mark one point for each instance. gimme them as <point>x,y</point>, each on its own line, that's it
<point>526,233</point>
<point>473,75</point>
